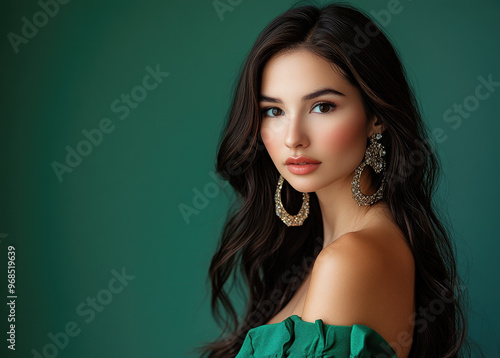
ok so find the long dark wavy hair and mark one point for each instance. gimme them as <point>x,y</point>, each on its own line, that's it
<point>273,259</point>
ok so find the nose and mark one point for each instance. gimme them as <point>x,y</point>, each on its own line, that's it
<point>295,133</point>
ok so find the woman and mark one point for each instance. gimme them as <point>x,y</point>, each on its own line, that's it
<point>334,231</point>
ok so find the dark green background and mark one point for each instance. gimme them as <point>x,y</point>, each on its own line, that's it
<point>120,207</point>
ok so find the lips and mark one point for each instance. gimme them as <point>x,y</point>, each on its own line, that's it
<point>301,160</point>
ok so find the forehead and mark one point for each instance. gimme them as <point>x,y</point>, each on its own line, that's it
<point>300,71</point>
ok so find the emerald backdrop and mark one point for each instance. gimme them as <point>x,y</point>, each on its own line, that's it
<point>110,118</point>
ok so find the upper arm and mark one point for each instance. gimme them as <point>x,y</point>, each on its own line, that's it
<point>361,281</point>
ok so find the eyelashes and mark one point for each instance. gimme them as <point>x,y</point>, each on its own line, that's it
<point>331,106</point>
<point>265,110</point>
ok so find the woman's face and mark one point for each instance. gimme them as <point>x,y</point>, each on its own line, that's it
<point>309,109</point>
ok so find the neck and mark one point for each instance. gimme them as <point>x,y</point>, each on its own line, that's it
<point>340,212</point>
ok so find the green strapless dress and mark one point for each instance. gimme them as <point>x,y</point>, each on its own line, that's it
<point>296,338</point>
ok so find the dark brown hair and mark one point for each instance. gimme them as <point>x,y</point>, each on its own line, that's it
<point>272,259</point>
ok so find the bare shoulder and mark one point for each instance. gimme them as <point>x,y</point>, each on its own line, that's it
<point>377,247</point>
<point>365,277</point>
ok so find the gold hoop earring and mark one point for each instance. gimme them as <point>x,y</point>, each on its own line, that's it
<point>291,220</point>
<point>373,158</point>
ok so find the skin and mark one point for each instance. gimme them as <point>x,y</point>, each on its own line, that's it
<point>365,272</point>
<point>336,138</point>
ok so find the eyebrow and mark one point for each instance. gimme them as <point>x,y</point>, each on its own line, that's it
<point>306,97</point>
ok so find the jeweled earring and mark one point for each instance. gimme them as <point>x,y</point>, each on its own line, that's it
<point>373,157</point>
<point>290,220</point>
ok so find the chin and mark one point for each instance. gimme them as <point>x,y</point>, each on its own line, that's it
<point>303,183</point>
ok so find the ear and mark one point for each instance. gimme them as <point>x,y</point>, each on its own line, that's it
<point>375,125</point>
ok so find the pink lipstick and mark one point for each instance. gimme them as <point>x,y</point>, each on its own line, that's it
<point>301,165</point>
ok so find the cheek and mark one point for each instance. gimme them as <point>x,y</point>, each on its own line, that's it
<point>271,139</point>
<point>271,130</point>
<point>344,137</point>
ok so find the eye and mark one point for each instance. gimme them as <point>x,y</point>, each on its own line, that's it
<point>325,107</point>
<point>271,112</point>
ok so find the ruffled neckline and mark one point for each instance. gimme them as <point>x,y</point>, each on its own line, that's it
<point>294,337</point>
<point>297,319</point>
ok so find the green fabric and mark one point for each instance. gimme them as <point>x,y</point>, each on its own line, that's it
<point>296,338</point>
